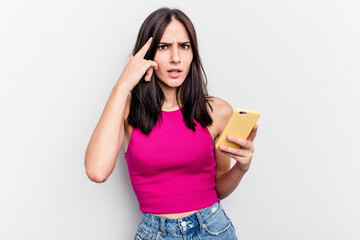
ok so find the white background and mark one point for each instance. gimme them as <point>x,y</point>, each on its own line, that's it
<point>297,62</point>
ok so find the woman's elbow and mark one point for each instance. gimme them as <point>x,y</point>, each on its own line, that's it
<point>96,178</point>
<point>95,175</point>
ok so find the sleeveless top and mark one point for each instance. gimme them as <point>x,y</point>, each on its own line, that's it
<point>172,170</point>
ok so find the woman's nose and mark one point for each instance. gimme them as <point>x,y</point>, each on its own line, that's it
<point>175,56</point>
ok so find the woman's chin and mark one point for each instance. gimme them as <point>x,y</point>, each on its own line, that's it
<point>172,83</point>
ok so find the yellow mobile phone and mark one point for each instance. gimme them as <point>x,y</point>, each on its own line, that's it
<point>240,125</point>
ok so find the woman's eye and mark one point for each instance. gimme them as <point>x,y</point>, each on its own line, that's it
<point>163,47</point>
<point>185,46</point>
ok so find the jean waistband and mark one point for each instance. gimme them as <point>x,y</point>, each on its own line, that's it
<point>165,224</point>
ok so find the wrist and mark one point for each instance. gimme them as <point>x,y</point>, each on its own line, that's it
<point>240,169</point>
<point>120,86</point>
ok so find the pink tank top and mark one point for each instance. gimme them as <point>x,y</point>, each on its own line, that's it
<point>172,170</point>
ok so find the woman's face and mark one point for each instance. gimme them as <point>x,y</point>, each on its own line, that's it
<point>174,55</point>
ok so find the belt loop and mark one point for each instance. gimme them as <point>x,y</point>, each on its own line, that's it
<point>198,215</point>
<point>162,226</point>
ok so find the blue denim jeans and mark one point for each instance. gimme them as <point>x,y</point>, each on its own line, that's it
<point>207,223</point>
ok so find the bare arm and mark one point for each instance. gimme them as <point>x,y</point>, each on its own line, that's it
<point>108,136</point>
<point>227,179</point>
<point>222,114</point>
<point>106,141</point>
<point>228,182</point>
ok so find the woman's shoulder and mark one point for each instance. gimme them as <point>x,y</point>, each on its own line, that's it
<point>221,111</point>
<point>220,107</point>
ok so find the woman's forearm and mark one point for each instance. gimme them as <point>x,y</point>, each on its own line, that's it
<point>228,182</point>
<point>106,141</point>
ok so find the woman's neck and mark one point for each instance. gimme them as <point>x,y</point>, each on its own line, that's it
<point>170,101</point>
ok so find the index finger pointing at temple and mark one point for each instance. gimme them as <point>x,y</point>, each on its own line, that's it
<point>142,52</point>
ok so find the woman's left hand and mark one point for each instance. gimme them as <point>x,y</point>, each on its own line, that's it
<point>243,155</point>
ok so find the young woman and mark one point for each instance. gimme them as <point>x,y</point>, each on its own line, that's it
<point>159,108</point>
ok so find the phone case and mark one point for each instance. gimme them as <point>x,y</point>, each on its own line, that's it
<point>240,125</point>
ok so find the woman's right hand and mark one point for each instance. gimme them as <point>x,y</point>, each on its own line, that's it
<point>137,66</point>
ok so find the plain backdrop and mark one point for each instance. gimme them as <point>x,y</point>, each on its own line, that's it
<point>297,62</point>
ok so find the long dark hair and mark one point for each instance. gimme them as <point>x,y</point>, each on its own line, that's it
<point>147,98</point>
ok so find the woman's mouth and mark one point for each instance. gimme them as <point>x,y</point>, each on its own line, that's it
<point>174,73</point>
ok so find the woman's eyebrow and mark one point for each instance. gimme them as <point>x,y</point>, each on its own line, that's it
<point>180,43</point>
